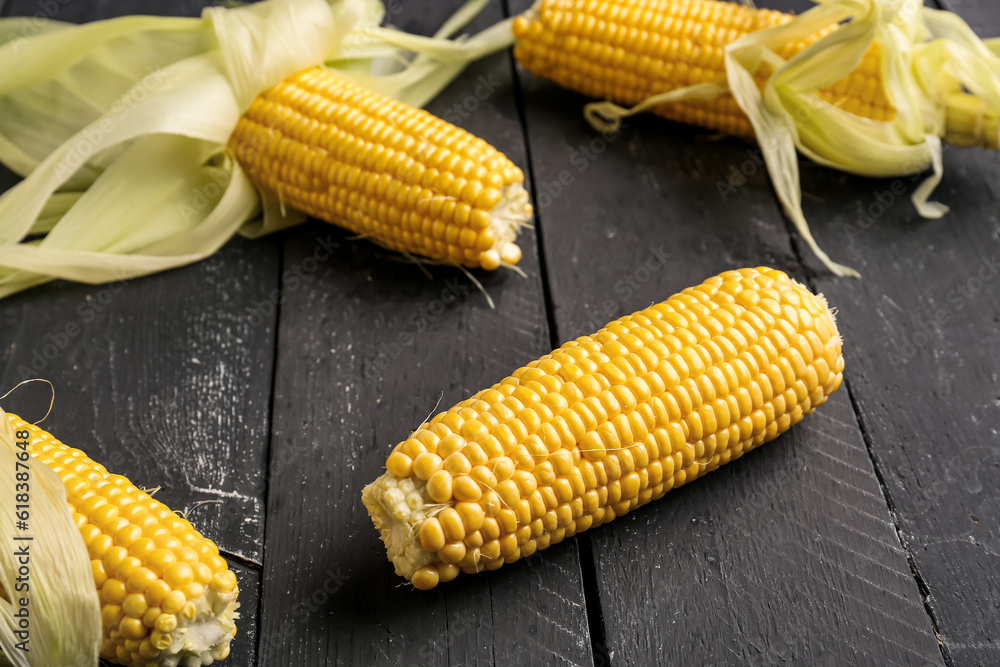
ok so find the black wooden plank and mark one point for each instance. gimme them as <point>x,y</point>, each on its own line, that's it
<point>785,556</point>
<point>244,646</point>
<point>167,383</point>
<point>347,391</point>
<point>924,325</point>
<point>165,379</point>
<point>982,15</point>
<point>77,11</point>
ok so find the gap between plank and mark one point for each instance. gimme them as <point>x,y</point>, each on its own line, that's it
<point>543,265</point>
<point>242,560</point>
<point>269,446</point>
<point>922,588</point>
<point>588,569</point>
<point>592,596</point>
<point>925,593</point>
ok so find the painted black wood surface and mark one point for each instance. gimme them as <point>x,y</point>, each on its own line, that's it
<point>870,534</point>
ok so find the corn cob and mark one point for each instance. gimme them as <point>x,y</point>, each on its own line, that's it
<point>383,169</point>
<point>628,51</point>
<point>606,423</point>
<point>167,597</point>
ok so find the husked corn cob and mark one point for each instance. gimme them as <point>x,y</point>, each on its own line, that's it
<point>167,597</point>
<point>630,50</point>
<point>606,423</point>
<point>386,170</point>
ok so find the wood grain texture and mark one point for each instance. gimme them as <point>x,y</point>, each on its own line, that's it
<point>79,11</point>
<point>924,325</point>
<point>924,331</point>
<point>167,384</point>
<point>788,556</point>
<point>367,345</point>
<point>165,379</point>
<point>800,6</point>
<point>244,646</point>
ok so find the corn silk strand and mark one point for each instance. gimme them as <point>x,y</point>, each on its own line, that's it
<point>119,127</point>
<point>941,78</point>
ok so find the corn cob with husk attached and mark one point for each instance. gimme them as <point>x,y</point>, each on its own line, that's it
<point>605,424</point>
<point>393,173</point>
<point>247,120</point>
<point>167,598</point>
<point>629,51</point>
<point>867,86</point>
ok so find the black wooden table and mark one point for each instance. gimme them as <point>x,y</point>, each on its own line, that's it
<point>868,535</point>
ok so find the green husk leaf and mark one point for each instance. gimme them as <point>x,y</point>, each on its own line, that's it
<point>120,127</point>
<point>55,208</point>
<point>63,605</point>
<point>263,43</point>
<point>927,56</point>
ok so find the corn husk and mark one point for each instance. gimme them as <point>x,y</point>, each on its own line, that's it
<point>931,62</point>
<point>64,613</point>
<point>120,126</point>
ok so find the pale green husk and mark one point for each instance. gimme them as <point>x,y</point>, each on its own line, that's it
<point>120,126</point>
<point>64,609</point>
<point>928,56</point>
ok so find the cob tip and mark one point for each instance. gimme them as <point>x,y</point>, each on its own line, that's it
<point>397,505</point>
<point>512,212</point>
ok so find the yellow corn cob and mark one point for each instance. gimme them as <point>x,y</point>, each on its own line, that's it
<point>167,597</point>
<point>383,169</point>
<point>606,423</point>
<point>629,50</point>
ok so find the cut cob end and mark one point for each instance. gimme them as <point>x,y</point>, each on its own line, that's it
<point>398,505</point>
<point>605,424</point>
<point>510,214</point>
<point>203,635</point>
